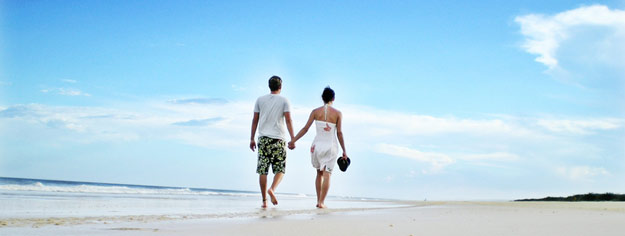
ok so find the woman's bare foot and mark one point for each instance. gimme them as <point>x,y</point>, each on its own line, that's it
<point>264,203</point>
<point>274,200</point>
<point>321,206</point>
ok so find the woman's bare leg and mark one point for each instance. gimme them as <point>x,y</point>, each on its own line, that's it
<point>318,182</point>
<point>325,186</point>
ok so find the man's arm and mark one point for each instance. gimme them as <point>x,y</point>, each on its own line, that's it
<point>289,123</point>
<point>254,126</point>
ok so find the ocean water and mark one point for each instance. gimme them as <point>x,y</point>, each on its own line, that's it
<point>39,198</point>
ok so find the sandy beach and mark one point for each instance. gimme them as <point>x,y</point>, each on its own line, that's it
<point>412,218</point>
<point>187,117</point>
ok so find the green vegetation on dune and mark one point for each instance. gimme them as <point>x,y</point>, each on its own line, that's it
<point>589,197</point>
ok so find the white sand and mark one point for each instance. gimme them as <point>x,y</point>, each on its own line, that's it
<point>432,218</point>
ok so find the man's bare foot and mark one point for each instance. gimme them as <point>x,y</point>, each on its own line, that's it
<point>321,206</point>
<point>264,203</point>
<point>274,200</point>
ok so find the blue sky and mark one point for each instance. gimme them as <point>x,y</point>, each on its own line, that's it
<point>442,99</point>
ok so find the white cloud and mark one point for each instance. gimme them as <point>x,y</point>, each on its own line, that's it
<point>437,160</point>
<point>207,125</point>
<point>389,179</point>
<point>546,33</point>
<point>488,140</point>
<point>66,92</point>
<point>387,123</point>
<point>581,126</point>
<point>217,123</point>
<point>584,173</point>
<point>198,122</point>
<point>238,88</point>
<point>494,156</point>
<point>199,101</point>
<point>71,81</point>
<point>378,123</point>
<point>72,92</point>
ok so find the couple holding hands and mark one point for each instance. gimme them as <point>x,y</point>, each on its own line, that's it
<point>271,112</point>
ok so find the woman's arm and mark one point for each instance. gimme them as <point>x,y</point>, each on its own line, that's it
<point>339,133</point>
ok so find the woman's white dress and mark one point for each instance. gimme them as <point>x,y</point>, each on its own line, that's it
<point>325,147</point>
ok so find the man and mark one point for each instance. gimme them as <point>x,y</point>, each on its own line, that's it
<point>271,111</point>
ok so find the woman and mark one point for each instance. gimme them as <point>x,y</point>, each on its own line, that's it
<point>324,149</point>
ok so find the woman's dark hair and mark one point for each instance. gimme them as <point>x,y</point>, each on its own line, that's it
<point>327,95</point>
<point>275,83</point>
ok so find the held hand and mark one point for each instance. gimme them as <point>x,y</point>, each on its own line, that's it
<point>291,145</point>
<point>252,145</point>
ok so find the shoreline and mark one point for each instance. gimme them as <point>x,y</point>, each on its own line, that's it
<point>260,213</point>
<point>252,213</point>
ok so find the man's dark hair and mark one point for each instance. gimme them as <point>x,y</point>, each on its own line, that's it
<point>275,83</point>
<point>327,95</point>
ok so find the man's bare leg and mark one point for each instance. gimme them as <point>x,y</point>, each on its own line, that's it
<point>276,180</point>
<point>262,180</point>
<point>318,181</point>
<point>325,185</point>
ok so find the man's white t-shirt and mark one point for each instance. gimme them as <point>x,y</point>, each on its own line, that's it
<point>271,109</point>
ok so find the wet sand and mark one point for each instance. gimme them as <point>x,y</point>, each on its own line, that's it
<point>413,218</point>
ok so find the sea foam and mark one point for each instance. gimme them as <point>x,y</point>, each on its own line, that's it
<point>84,188</point>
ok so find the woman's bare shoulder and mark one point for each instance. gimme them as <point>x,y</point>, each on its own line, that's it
<point>317,111</point>
<point>335,110</point>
